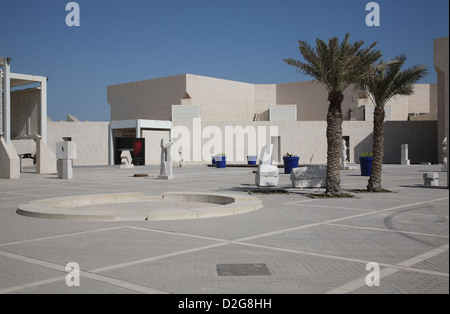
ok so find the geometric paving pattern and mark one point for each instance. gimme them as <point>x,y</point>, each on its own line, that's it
<point>293,245</point>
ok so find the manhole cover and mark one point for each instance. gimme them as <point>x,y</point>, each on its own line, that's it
<point>243,270</point>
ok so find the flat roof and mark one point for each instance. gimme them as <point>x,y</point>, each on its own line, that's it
<point>17,79</point>
<point>144,124</point>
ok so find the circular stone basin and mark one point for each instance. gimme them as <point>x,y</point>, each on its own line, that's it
<point>138,207</point>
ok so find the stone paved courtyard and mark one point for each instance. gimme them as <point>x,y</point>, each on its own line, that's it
<point>305,245</point>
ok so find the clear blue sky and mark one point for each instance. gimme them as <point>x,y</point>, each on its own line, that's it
<point>244,40</point>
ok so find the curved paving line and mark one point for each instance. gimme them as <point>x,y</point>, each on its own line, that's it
<point>388,222</point>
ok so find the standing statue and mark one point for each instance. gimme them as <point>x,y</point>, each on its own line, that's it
<point>344,155</point>
<point>166,171</point>
<point>267,175</point>
<point>180,157</point>
<point>344,151</point>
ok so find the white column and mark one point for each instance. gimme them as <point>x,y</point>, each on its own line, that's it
<point>448,167</point>
<point>1,97</point>
<point>44,110</point>
<point>6,101</point>
<point>111,145</point>
<point>405,158</point>
<point>138,128</point>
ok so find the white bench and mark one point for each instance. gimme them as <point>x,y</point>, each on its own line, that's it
<point>312,176</point>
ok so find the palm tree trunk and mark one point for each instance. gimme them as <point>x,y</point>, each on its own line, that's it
<point>378,151</point>
<point>334,141</point>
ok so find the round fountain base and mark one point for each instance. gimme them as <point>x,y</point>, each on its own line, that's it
<point>138,207</point>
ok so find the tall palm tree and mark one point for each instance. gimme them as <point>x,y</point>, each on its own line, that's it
<point>387,82</point>
<point>337,66</point>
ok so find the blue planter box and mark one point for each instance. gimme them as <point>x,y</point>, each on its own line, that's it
<point>251,160</point>
<point>221,162</point>
<point>290,163</point>
<point>366,166</point>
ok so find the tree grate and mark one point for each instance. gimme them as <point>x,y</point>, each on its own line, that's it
<point>243,270</point>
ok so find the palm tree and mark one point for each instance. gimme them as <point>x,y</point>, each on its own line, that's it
<point>337,66</point>
<point>386,83</point>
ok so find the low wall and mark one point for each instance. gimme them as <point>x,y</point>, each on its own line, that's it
<point>199,140</point>
<point>421,137</point>
<point>306,139</point>
<point>91,138</point>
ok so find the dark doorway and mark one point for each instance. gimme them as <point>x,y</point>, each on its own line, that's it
<point>121,144</point>
<point>135,146</point>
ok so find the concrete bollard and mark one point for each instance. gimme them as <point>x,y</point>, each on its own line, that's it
<point>431,179</point>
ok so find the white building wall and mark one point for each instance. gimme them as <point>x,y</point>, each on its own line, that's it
<point>221,100</point>
<point>307,139</point>
<point>281,113</point>
<point>265,96</point>
<point>185,113</point>
<point>225,100</point>
<point>311,99</point>
<point>153,145</point>
<point>150,99</point>
<point>420,101</point>
<point>91,138</point>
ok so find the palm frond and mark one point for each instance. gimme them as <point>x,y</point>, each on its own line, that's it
<point>337,65</point>
<point>387,81</point>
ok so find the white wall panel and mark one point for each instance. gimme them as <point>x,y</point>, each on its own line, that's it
<point>185,113</point>
<point>283,113</point>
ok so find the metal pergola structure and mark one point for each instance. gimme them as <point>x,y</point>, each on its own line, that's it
<point>10,80</point>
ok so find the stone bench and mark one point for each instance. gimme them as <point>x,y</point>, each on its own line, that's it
<point>26,156</point>
<point>431,179</point>
<point>311,176</point>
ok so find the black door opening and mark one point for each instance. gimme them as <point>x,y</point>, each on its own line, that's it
<point>136,146</point>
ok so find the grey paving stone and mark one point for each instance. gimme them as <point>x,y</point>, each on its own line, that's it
<point>87,286</point>
<point>105,248</point>
<point>196,272</point>
<point>438,263</point>
<point>16,273</point>
<point>310,245</point>
<point>368,245</point>
<point>408,283</point>
<point>403,221</point>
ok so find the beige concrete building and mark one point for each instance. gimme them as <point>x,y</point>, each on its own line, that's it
<point>295,112</point>
<point>441,57</point>
<point>23,117</point>
<point>211,99</point>
<point>206,116</point>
